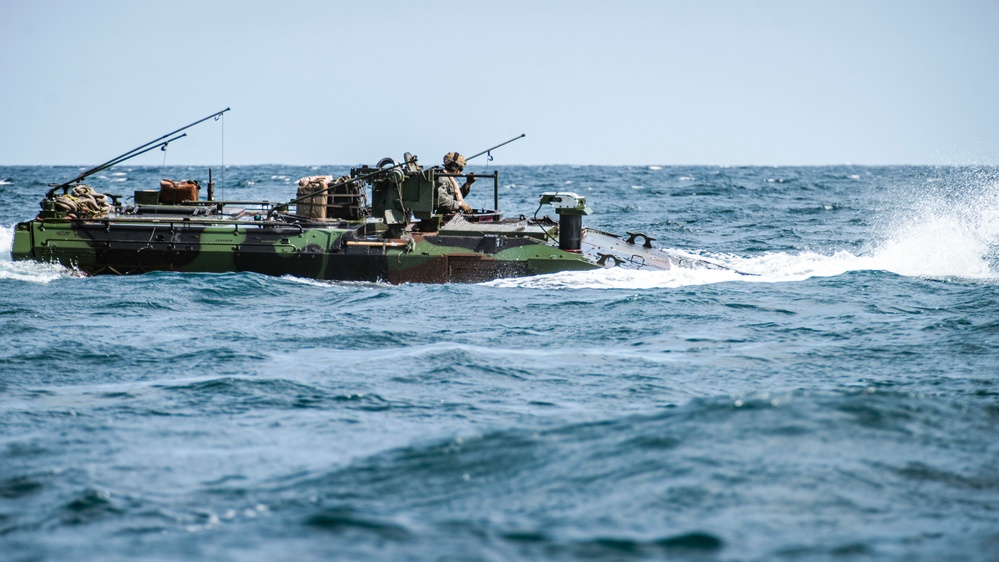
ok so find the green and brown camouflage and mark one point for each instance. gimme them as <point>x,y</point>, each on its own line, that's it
<point>118,246</point>
<point>399,238</point>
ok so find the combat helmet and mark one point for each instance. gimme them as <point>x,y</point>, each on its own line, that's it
<point>453,158</point>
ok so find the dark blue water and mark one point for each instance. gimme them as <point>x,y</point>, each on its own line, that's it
<point>842,404</point>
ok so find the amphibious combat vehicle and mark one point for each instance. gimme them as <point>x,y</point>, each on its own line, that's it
<point>328,231</point>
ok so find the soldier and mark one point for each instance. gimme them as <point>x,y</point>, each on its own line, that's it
<point>451,198</point>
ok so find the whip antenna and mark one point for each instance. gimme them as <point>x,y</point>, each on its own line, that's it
<point>141,149</point>
<point>488,151</point>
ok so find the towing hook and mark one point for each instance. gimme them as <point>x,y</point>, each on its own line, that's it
<point>633,235</point>
<point>604,257</point>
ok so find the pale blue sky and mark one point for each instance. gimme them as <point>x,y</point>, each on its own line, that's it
<point>779,82</point>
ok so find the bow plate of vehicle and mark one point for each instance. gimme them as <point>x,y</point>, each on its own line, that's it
<point>331,230</point>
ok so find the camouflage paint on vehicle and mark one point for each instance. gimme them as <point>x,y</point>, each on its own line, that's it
<point>327,232</point>
<point>115,246</point>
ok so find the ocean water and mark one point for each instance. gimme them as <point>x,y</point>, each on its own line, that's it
<point>840,404</point>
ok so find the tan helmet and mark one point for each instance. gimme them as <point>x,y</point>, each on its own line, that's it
<point>454,158</point>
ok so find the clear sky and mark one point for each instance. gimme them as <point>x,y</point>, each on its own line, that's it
<point>764,82</point>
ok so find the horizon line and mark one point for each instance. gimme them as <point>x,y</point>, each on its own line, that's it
<point>659,165</point>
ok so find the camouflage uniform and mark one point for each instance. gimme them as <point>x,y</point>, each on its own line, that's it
<point>447,203</point>
<point>449,198</point>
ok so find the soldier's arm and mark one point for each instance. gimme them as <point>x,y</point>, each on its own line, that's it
<point>470,179</point>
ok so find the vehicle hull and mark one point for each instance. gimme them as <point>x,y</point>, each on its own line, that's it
<point>125,247</point>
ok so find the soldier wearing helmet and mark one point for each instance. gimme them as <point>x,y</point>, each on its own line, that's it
<point>450,197</point>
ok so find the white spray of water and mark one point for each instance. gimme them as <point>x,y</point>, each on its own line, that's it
<point>770,268</point>
<point>31,271</point>
<point>939,237</point>
<point>946,235</point>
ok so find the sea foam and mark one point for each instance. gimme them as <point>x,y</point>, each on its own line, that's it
<point>938,237</point>
<point>31,271</point>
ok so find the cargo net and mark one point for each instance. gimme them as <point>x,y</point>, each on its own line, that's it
<point>82,202</point>
<point>326,198</point>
